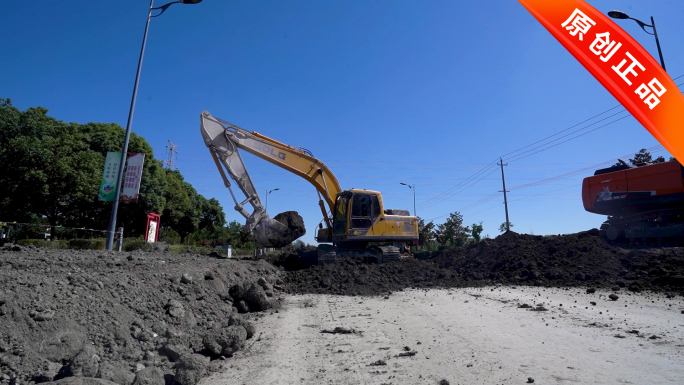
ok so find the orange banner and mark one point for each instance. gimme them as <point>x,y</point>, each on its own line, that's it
<point>616,60</point>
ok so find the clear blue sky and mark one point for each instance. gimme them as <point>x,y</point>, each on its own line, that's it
<point>383,92</point>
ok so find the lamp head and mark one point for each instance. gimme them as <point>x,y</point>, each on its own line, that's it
<point>190,1</point>
<point>618,15</point>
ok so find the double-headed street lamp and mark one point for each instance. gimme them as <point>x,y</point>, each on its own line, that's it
<point>268,192</point>
<point>622,15</point>
<point>124,150</point>
<point>412,187</point>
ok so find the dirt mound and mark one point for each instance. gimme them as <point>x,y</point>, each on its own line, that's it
<point>110,315</point>
<point>580,259</point>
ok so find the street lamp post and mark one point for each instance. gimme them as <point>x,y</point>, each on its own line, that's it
<point>622,15</point>
<point>124,150</point>
<point>268,192</point>
<point>412,187</point>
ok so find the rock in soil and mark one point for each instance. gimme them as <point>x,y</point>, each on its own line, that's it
<point>238,320</point>
<point>106,314</point>
<point>80,381</point>
<point>190,369</point>
<point>225,341</point>
<point>85,364</point>
<point>149,376</point>
<point>116,372</point>
<point>257,299</point>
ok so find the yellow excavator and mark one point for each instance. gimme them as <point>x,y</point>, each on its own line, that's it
<point>355,223</point>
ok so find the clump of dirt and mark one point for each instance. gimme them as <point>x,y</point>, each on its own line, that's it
<point>295,228</point>
<point>580,259</point>
<point>115,316</point>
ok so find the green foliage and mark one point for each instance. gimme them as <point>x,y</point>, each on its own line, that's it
<point>476,230</point>
<point>52,170</point>
<point>169,236</point>
<point>426,232</point>
<point>502,227</point>
<point>74,244</point>
<point>452,232</point>
<point>35,242</point>
<point>643,156</point>
<point>131,244</point>
<point>86,244</point>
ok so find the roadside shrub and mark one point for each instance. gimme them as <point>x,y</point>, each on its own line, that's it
<point>180,249</point>
<point>35,242</point>
<point>135,244</point>
<point>87,244</point>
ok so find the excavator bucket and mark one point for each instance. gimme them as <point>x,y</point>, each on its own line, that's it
<point>223,141</point>
<point>271,233</point>
<point>279,231</point>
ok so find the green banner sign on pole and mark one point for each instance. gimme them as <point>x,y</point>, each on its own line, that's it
<point>109,175</point>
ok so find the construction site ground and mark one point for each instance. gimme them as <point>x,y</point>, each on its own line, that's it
<point>467,336</point>
<point>505,310</point>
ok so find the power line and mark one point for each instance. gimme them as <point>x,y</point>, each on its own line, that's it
<point>543,147</point>
<point>451,192</point>
<point>493,196</point>
<point>559,132</point>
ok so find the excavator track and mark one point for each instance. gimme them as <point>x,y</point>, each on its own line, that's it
<point>373,254</point>
<point>653,228</point>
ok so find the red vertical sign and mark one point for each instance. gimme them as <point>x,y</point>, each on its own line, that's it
<point>622,66</point>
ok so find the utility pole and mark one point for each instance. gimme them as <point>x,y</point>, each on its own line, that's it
<point>503,179</point>
<point>171,149</point>
<point>124,151</point>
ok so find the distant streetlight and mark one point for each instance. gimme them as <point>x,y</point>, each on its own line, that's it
<point>268,192</point>
<point>412,187</point>
<point>622,15</point>
<point>124,150</point>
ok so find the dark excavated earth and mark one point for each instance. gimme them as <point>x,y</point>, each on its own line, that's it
<point>132,317</point>
<point>580,259</point>
<point>156,317</point>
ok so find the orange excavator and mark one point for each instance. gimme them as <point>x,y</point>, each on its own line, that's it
<point>644,202</point>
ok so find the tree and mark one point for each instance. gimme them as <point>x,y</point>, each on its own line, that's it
<point>643,156</point>
<point>181,212</point>
<point>476,230</point>
<point>426,232</point>
<point>52,170</point>
<point>452,232</point>
<point>48,169</point>
<point>502,228</point>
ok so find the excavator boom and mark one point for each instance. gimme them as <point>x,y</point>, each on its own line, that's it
<point>356,221</point>
<point>224,139</point>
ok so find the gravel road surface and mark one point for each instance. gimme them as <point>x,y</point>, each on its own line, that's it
<point>491,335</point>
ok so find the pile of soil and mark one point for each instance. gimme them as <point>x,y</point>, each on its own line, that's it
<point>580,259</point>
<point>148,317</point>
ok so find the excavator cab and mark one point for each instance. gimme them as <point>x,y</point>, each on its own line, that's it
<point>355,212</point>
<point>359,217</point>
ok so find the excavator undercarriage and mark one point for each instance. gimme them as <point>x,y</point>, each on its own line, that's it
<point>644,203</point>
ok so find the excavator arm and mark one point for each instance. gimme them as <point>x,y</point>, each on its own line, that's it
<point>225,139</point>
